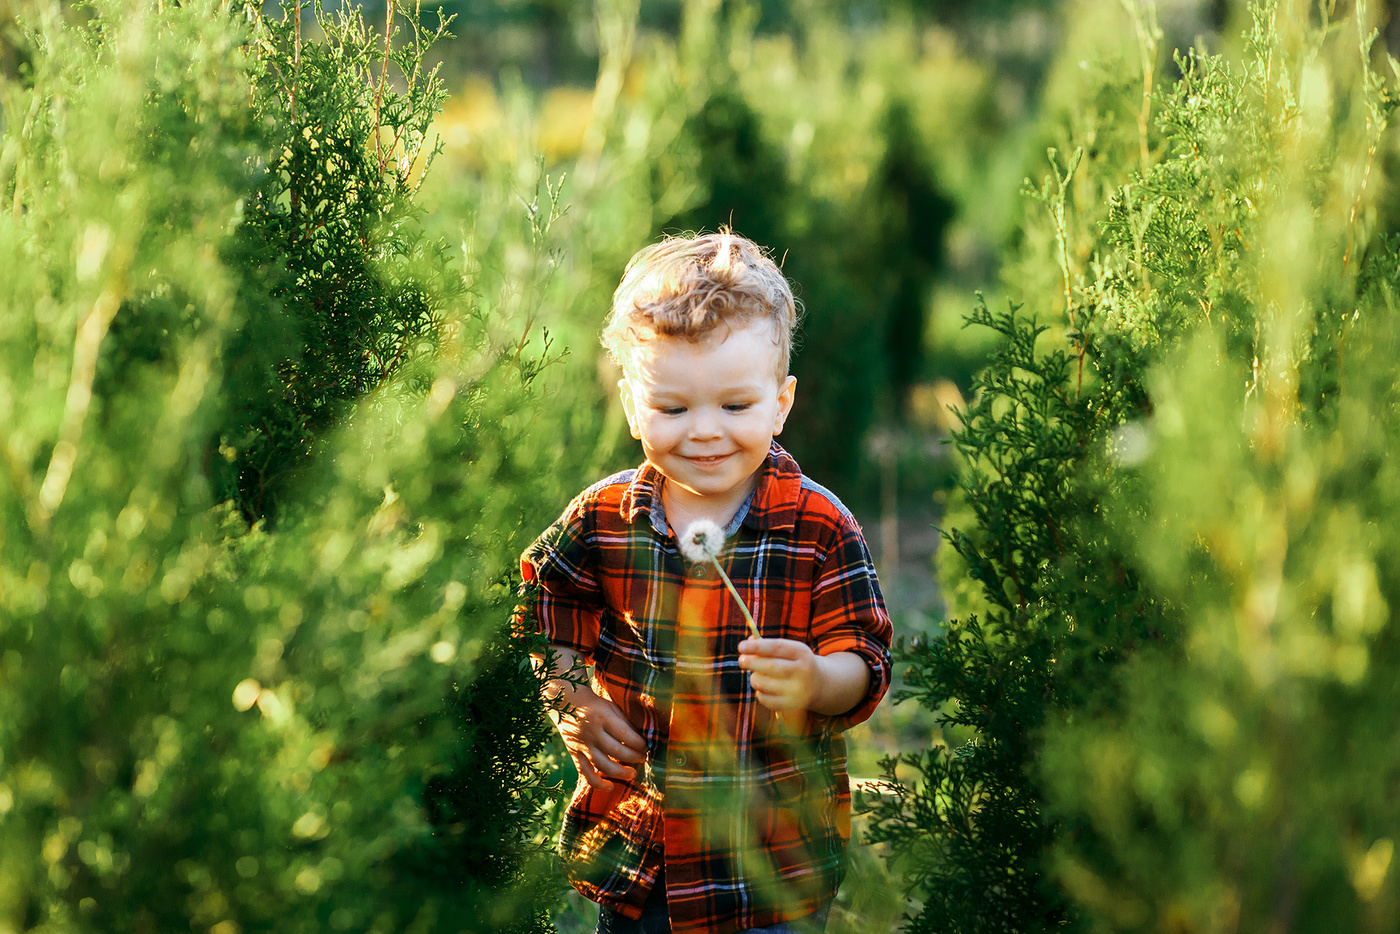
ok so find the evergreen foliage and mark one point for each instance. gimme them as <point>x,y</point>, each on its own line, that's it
<point>271,448</point>
<point>327,242</point>
<point>852,155</point>
<point>1165,683</point>
<point>862,270</point>
<point>212,724</point>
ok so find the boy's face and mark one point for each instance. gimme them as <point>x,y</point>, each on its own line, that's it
<point>706,413</point>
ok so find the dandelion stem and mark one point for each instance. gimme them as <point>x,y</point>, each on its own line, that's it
<point>748,617</point>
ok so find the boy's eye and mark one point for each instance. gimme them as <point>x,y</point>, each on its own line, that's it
<point>671,409</point>
<point>737,406</point>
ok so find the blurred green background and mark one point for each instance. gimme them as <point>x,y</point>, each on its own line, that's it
<point>298,349</point>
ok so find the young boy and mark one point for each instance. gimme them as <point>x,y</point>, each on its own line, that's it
<point>713,793</point>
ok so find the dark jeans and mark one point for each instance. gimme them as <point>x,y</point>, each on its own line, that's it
<point>656,919</point>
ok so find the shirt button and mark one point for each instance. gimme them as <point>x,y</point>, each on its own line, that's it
<point>699,571</point>
<point>679,760</point>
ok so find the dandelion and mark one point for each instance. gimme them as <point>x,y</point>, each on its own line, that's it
<point>701,542</point>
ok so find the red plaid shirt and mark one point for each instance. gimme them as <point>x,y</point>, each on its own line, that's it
<point>750,814</point>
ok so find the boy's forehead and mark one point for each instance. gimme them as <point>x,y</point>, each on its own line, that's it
<point>723,341</point>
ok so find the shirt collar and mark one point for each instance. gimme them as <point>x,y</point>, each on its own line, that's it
<point>771,507</point>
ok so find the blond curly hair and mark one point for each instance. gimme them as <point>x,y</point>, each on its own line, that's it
<point>689,286</point>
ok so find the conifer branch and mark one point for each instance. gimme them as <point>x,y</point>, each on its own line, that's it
<point>88,342</point>
<point>383,79</point>
<point>1147,34</point>
<point>1376,121</point>
<point>296,58</point>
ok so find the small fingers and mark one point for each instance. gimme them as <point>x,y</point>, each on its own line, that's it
<point>773,648</point>
<point>782,691</point>
<point>766,665</point>
<point>610,732</point>
<point>777,702</point>
<point>590,774</point>
<point>610,767</point>
<point>765,686</point>
<point>621,750</point>
<point>758,646</point>
<point>630,740</point>
<point>601,771</point>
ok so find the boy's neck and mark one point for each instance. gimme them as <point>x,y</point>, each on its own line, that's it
<point>684,507</point>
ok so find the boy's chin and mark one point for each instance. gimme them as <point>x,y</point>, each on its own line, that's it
<point>720,492</point>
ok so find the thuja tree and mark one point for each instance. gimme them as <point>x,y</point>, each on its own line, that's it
<point>863,254</point>
<point>1158,710</point>
<point>327,246</point>
<point>208,723</point>
<point>1240,774</point>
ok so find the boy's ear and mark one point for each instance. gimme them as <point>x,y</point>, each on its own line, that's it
<point>786,393</point>
<point>629,406</point>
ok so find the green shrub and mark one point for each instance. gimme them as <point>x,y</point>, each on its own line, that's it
<point>836,150</point>
<point>863,257</point>
<point>1162,686</point>
<point>327,249</point>
<point>230,726</point>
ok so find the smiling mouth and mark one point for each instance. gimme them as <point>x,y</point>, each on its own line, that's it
<point>707,460</point>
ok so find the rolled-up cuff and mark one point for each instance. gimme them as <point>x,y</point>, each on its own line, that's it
<point>878,664</point>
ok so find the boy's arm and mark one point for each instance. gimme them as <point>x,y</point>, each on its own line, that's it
<point>595,731</point>
<point>848,615</point>
<point>787,675</point>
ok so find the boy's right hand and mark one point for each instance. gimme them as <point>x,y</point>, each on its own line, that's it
<point>598,736</point>
<point>602,743</point>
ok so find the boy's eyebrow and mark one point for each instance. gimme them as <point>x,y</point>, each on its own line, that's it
<point>747,391</point>
<point>651,390</point>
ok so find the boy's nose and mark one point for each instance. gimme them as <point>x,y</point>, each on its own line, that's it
<point>704,426</point>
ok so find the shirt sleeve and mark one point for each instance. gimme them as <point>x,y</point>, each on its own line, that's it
<point>563,600</point>
<point>848,615</point>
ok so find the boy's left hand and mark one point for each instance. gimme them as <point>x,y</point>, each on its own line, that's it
<point>787,676</point>
<point>783,672</point>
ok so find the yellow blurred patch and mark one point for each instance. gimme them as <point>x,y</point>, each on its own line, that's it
<point>1369,872</point>
<point>466,117</point>
<point>937,406</point>
<point>563,121</point>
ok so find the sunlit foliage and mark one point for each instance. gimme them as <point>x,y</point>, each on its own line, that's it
<point>1166,688</point>
<point>217,308</point>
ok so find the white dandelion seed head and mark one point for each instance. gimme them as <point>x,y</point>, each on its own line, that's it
<point>701,541</point>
